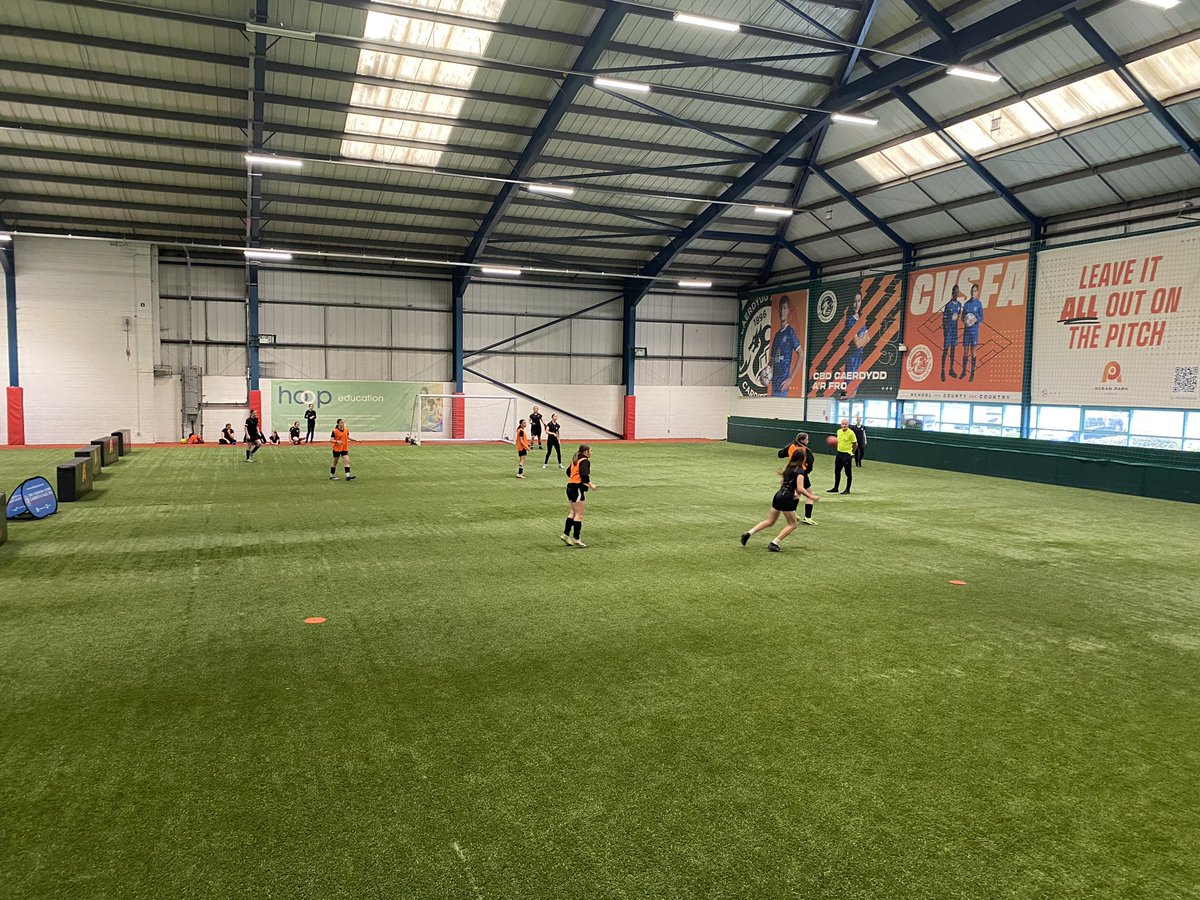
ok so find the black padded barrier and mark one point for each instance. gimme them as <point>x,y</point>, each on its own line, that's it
<point>74,480</point>
<point>1163,474</point>
<point>108,450</point>
<point>3,518</point>
<point>92,454</point>
<point>124,441</point>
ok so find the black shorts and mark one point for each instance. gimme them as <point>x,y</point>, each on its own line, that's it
<point>576,492</point>
<point>521,454</point>
<point>337,453</point>
<point>784,501</point>
<point>535,430</point>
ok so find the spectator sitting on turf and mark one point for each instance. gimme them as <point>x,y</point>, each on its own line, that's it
<point>274,437</point>
<point>227,435</point>
<point>294,432</point>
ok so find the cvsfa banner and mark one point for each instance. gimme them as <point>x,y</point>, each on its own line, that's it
<point>965,331</point>
<point>854,335</point>
<point>369,407</point>
<point>771,344</point>
<point>1117,323</point>
<point>33,498</point>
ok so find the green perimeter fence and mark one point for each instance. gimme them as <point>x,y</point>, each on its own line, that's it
<point>1164,474</point>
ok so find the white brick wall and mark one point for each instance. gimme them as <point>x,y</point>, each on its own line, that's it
<point>87,325</point>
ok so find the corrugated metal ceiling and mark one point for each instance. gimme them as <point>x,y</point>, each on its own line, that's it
<point>77,118</point>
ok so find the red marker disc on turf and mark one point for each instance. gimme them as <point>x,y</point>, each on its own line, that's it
<point>313,620</point>
<point>958,582</point>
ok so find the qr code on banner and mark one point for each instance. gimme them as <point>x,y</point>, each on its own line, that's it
<point>1185,379</point>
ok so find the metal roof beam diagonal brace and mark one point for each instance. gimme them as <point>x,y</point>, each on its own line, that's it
<point>860,207</point>
<point>970,161</point>
<point>1161,114</point>
<point>932,18</point>
<point>814,148</point>
<point>589,55</point>
<point>973,37</point>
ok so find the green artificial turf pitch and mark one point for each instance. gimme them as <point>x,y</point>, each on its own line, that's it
<point>490,714</point>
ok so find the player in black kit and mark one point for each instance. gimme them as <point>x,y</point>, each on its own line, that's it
<point>253,437</point>
<point>552,440</point>
<point>535,426</point>
<point>786,499</point>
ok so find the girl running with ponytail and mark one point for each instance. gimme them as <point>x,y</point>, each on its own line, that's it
<point>786,499</point>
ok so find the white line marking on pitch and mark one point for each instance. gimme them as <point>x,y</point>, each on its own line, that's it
<point>462,855</point>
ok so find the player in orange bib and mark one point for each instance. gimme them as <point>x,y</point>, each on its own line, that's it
<point>340,440</point>
<point>523,445</point>
<point>579,482</point>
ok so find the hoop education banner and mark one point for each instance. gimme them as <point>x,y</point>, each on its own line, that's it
<point>369,407</point>
<point>854,334</point>
<point>1117,323</point>
<point>771,332</point>
<point>959,350</point>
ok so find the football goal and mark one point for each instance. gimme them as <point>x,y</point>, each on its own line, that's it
<point>480,418</point>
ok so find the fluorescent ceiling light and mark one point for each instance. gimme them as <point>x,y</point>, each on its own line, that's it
<point>704,22</point>
<point>5,238</point>
<point>500,270</point>
<point>260,28</point>
<point>557,189</point>
<point>977,74</point>
<point>268,255</point>
<point>780,212</point>
<point>283,162</point>
<point>694,284</point>
<point>617,85</point>
<point>1159,4</point>
<point>851,119</point>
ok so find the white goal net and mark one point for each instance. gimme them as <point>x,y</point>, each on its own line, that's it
<point>484,417</point>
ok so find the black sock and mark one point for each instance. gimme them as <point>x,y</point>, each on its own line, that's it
<point>347,470</point>
<point>578,528</point>
<point>520,469</point>
<point>567,527</point>
<point>333,469</point>
<point>808,507</point>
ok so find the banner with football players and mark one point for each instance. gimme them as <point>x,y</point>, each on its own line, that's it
<point>771,344</point>
<point>854,336</point>
<point>1117,323</point>
<point>964,331</point>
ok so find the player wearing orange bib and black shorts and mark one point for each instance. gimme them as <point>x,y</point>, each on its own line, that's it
<point>579,482</point>
<point>522,449</point>
<point>340,440</point>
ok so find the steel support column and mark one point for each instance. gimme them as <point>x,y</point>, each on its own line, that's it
<point>254,143</point>
<point>8,260</point>
<point>458,291</point>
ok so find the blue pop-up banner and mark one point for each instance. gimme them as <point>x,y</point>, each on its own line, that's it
<point>33,497</point>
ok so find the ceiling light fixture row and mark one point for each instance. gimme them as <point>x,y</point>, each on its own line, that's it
<point>255,254</point>
<point>684,18</point>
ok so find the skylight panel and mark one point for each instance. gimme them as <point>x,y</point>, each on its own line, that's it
<point>1092,98</point>
<point>926,152</point>
<point>1172,72</point>
<point>1013,124</point>
<point>1167,75</point>
<point>394,102</point>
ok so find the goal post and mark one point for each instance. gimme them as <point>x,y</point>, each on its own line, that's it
<point>463,418</point>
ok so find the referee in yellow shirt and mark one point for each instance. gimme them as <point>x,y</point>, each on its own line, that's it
<point>846,445</point>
